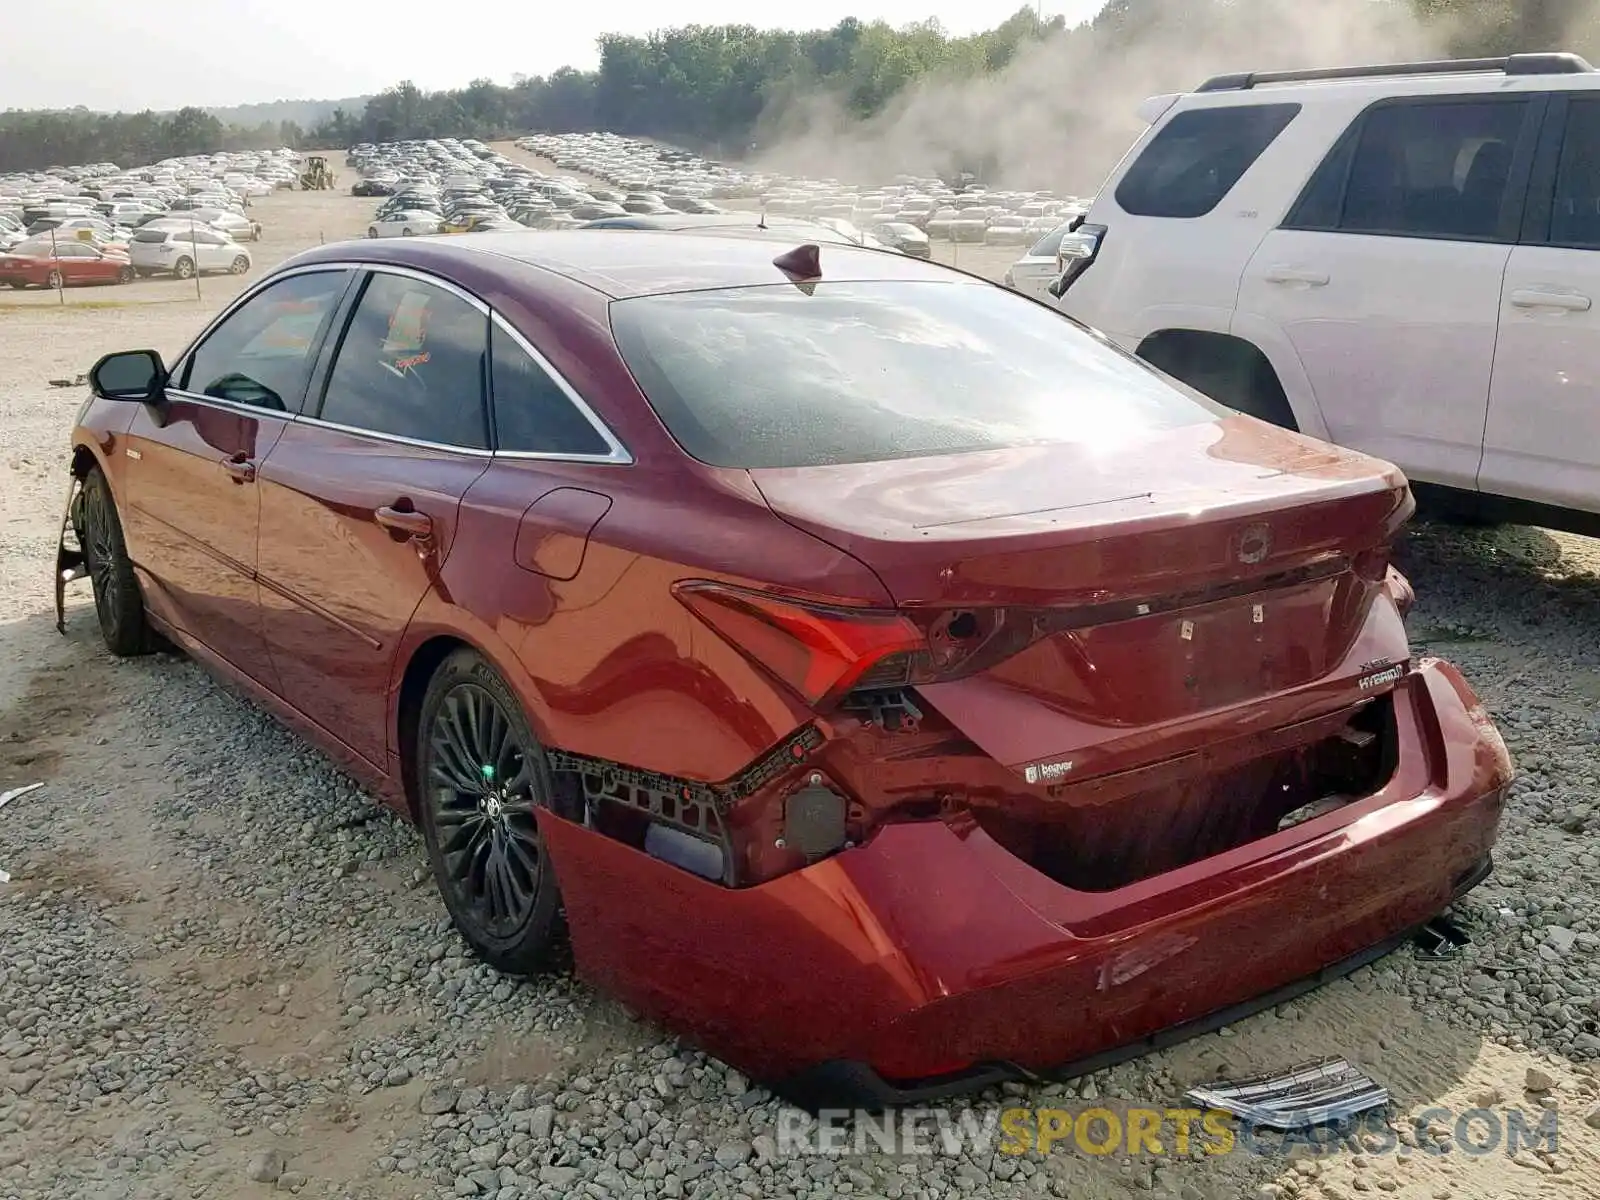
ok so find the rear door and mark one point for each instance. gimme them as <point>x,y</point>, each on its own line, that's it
<point>1385,277</point>
<point>1542,439</point>
<point>194,504</point>
<point>360,497</point>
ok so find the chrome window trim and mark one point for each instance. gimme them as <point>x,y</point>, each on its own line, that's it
<point>618,454</point>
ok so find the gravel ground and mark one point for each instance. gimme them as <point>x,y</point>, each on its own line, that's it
<point>223,973</point>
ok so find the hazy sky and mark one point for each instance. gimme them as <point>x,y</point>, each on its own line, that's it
<point>224,52</point>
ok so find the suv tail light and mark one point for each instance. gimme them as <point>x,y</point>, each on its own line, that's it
<point>1076,255</point>
<point>824,651</point>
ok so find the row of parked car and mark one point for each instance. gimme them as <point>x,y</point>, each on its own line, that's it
<point>955,209</point>
<point>103,224</point>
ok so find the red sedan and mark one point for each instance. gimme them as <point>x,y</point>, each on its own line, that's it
<point>898,687</point>
<point>69,264</point>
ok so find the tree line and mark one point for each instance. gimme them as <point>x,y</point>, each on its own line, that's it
<point>721,88</point>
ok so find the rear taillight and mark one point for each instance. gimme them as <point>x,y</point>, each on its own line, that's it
<point>1076,255</point>
<point>825,651</point>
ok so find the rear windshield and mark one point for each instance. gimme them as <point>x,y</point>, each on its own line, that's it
<point>778,376</point>
<point>150,235</point>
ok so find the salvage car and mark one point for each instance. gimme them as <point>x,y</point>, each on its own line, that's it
<point>898,687</point>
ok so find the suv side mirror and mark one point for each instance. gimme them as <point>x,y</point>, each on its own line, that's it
<point>137,375</point>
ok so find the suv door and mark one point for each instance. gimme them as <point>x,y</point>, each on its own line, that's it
<point>360,496</point>
<point>1385,276</point>
<point>1542,438</point>
<point>193,503</point>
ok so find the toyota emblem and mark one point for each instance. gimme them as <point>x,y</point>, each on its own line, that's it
<point>1255,544</point>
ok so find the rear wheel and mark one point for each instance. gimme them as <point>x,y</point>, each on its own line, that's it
<point>239,266</point>
<point>1229,371</point>
<point>481,777</point>
<point>117,599</point>
<point>184,268</point>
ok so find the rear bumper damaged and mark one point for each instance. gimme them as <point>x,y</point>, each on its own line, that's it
<point>930,961</point>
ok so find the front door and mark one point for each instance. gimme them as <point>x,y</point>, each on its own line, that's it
<point>193,500</point>
<point>359,499</point>
<point>1542,441</point>
<point>1385,277</point>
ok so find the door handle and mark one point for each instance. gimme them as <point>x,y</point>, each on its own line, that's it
<point>407,521</point>
<point>1300,275</point>
<point>241,468</point>
<point>1539,298</point>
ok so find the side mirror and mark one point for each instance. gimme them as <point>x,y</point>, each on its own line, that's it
<point>137,375</point>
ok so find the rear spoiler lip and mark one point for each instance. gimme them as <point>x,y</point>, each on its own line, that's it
<point>1153,108</point>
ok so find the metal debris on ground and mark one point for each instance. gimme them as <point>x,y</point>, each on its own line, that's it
<point>4,876</point>
<point>80,381</point>
<point>1440,939</point>
<point>1324,1092</point>
<point>7,797</point>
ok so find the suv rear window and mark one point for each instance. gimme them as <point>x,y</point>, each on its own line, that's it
<point>150,235</point>
<point>774,376</point>
<point>1197,157</point>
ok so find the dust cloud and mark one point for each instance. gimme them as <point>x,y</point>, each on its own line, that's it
<point>1061,114</point>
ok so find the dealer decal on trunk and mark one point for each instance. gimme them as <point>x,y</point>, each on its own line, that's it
<point>1046,772</point>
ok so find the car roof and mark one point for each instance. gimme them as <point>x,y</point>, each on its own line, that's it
<point>624,263</point>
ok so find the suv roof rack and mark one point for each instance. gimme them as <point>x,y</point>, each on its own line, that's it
<point>1513,64</point>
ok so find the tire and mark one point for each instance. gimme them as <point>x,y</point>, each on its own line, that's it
<point>125,275</point>
<point>53,280</point>
<point>405,232</point>
<point>184,268</point>
<point>372,231</point>
<point>239,265</point>
<point>481,775</point>
<point>117,600</point>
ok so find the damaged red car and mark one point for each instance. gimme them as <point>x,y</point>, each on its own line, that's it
<point>894,686</point>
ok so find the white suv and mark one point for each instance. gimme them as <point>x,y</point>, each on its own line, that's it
<point>1402,259</point>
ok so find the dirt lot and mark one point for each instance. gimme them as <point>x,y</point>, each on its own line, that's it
<point>223,972</point>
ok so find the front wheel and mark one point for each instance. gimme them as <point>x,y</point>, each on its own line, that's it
<point>406,232</point>
<point>481,778</point>
<point>117,599</point>
<point>239,266</point>
<point>184,268</point>
<point>53,280</point>
<point>125,275</point>
<point>372,231</point>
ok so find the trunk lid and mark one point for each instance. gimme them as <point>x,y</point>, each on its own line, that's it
<point>1185,572</point>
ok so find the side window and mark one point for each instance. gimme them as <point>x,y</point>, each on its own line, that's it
<point>263,353</point>
<point>1575,215</point>
<point>413,364</point>
<point>532,413</point>
<point>1433,169</point>
<point>1197,157</point>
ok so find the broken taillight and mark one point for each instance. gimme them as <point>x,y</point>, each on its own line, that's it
<point>824,651</point>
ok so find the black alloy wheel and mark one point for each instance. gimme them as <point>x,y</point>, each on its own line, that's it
<point>117,600</point>
<point>482,777</point>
